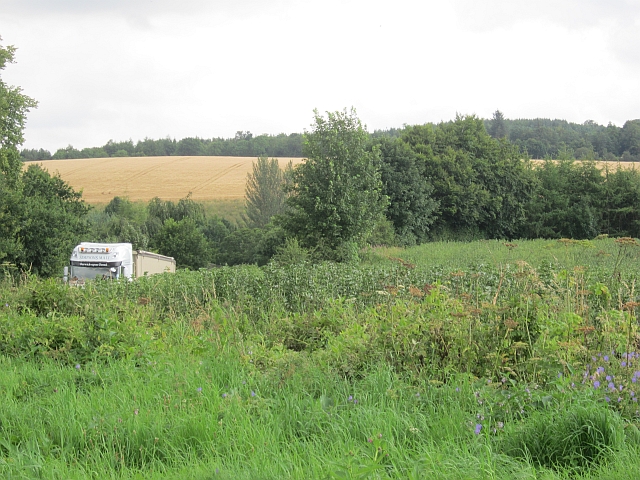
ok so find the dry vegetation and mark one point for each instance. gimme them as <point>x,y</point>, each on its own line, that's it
<point>612,166</point>
<point>170,178</point>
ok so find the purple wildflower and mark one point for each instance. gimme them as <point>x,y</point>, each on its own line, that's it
<point>623,364</point>
<point>478,428</point>
<point>350,399</point>
<point>253,394</point>
<point>608,378</point>
<point>600,370</point>
<point>596,384</point>
<point>199,389</point>
<point>606,358</point>
<point>607,399</point>
<point>224,395</point>
<point>77,366</point>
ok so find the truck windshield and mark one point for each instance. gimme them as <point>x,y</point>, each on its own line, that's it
<point>80,274</point>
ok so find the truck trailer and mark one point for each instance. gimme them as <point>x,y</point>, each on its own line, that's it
<point>113,261</point>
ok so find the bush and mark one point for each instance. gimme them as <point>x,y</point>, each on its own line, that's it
<point>576,438</point>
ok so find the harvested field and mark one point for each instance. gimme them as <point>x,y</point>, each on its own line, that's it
<point>612,166</point>
<point>170,178</point>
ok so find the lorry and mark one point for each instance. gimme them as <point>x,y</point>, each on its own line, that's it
<point>113,261</point>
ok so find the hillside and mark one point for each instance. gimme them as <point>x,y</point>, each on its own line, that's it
<point>170,178</point>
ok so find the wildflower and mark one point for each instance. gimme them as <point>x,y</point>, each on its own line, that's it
<point>253,394</point>
<point>135,412</point>
<point>619,399</point>
<point>612,385</point>
<point>623,364</point>
<point>370,440</point>
<point>559,374</point>
<point>199,389</point>
<point>620,387</point>
<point>606,358</point>
<point>607,399</point>
<point>608,378</point>
<point>77,366</point>
<point>350,399</point>
<point>478,428</point>
<point>500,424</point>
<point>355,401</point>
<point>457,389</point>
<point>379,435</point>
<point>224,395</point>
<point>596,384</point>
<point>600,370</point>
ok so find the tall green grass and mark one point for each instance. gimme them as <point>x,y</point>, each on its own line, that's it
<point>443,361</point>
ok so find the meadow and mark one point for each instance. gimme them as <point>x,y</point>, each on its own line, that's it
<point>449,360</point>
<point>143,178</point>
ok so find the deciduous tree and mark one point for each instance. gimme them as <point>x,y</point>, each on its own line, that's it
<point>336,194</point>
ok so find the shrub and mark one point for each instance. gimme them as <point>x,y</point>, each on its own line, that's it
<point>576,438</point>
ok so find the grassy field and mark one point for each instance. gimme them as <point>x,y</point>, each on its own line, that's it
<point>170,178</point>
<point>485,360</point>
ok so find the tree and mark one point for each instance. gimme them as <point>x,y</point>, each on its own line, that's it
<point>498,128</point>
<point>336,194</point>
<point>14,107</point>
<point>264,192</point>
<point>184,241</point>
<point>53,219</point>
<point>411,206</point>
<point>13,110</point>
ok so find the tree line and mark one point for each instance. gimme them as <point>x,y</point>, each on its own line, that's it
<point>244,144</point>
<point>543,138</point>
<point>538,138</point>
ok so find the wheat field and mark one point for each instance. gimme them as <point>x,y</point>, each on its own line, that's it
<point>143,178</point>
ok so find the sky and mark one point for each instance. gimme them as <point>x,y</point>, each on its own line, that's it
<point>133,69</point>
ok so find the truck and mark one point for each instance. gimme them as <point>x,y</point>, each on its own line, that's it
<point>113,261</point>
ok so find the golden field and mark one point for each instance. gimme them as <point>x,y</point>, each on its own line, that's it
<point>612,166</point>
<point>170,178</point>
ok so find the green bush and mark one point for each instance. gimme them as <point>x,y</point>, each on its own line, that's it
<point>576,438</point>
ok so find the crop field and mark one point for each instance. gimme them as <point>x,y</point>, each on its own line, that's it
<point>486,360</point>
<point>143,178</point>
<point>611,166</point>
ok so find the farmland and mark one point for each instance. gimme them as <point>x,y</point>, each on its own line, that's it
<point>170,178</point>
<point>449,360</point>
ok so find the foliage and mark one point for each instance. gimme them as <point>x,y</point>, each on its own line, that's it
<point>53,218</point>
<point>411,204</point>
<point>41,217</point>
<point>184,241</point>
<point>336,195</point>
<point>575,438</point>
<point>264,192</point>
<point>482,184</point>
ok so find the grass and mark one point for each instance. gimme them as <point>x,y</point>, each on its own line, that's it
<point>458,362</point>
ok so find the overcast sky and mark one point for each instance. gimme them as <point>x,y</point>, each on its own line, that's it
<point>130,69</point>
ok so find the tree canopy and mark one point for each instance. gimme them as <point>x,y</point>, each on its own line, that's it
<point>336,194</point>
